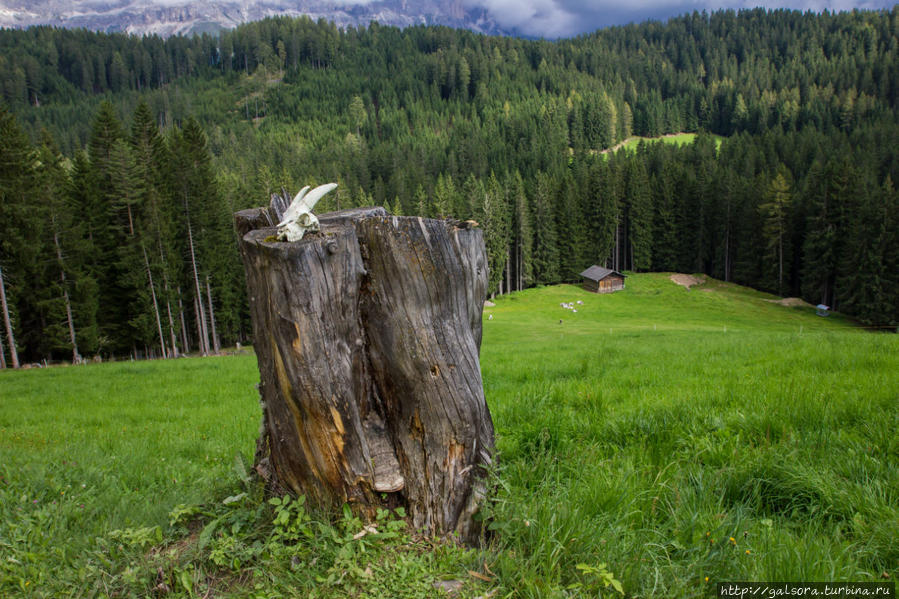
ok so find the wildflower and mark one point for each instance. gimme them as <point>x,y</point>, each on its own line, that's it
<point>706,578</point>
<point>747,552</point>
<point>733,541</point>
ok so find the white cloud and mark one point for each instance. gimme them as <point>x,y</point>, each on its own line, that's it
<point>548,18</point>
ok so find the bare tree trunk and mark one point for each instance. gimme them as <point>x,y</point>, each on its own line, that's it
<point>780,266</point>
<point>184,340</point>
<point>168,308</point>
<point>216,344</point>
<point>508,269</point>
<point>10,338</point>
<point>76,357</point>
<point>201,313</point>
<point>726,255</point>
<point>518,263</point>
<point>367,337</point>
<point>155,303</point>
<point>198,307</point>
<point>168,301</point>
<point>618,258</point>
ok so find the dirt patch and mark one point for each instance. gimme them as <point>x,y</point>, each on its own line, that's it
<point>489,304</point>
<point>791,302</point>
<point>687,280</point>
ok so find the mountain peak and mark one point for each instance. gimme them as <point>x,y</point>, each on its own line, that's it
<point>184,17</point>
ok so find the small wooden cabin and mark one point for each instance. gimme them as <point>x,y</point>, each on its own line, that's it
<point>602,280</point>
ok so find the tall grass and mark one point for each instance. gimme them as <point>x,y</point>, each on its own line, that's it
<point>681,435</point>
<point>658,437</point>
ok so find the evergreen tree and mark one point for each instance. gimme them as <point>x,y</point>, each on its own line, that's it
<point>157,217</point>
<point>496,234</point>
<point>825,188</point>
<point>776,213</point>
<point>546,242</point>
<point>664,248</point>
<point>69,293</point>
<point>16,180</point>
<point>571,230</point>
<point>107,224</point>
<point>446,200</point>
<point>640,214</point>
<point>522,234</point>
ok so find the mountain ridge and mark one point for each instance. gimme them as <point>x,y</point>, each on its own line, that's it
<point>181,17</point>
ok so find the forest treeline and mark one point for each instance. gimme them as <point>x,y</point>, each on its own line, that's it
<point>799,199</point>
<point>115,250</point>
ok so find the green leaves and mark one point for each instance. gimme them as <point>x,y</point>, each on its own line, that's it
<point>596,576</point>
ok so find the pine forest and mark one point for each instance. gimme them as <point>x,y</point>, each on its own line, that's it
<point>123,160</point>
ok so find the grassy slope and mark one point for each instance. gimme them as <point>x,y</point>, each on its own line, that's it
<point>658,420</point>
<point>634,433</point>
<point>678,139</point>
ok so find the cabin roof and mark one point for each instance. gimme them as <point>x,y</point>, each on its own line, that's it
<point>598,273</point>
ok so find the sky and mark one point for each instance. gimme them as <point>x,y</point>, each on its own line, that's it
<point>564,18</point>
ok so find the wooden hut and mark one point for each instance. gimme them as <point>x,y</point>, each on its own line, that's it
<point>602,280</point>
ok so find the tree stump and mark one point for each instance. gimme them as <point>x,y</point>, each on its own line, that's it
<point>367,336</point>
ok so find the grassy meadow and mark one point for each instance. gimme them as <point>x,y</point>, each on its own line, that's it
<point>657,440</point>
<point>676,139</point>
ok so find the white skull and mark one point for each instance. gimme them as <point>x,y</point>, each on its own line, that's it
<point>298,218</point>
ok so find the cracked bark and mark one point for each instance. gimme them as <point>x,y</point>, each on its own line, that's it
<point>367,336</point>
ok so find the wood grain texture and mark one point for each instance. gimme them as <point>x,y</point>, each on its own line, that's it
<point>367,336</point>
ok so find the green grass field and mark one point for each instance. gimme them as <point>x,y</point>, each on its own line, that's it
<point>677,139</point>
<point>658,437</point>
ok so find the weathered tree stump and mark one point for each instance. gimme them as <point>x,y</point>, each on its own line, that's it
<point>367,336</point>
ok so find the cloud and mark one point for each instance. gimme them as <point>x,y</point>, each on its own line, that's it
<point>562,18</point>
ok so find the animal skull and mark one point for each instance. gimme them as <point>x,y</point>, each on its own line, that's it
<point>298,218</point>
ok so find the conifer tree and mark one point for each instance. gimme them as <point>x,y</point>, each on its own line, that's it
<point>664,249</point>
<point>602,212</point>
<point>825,189</point>
<point>496,233</point>
<point>640,214</point>
<point>570,228</point>
<point>776,213</point>
<point>523,236</point>
<point>546,242</point>
<point>867,283</point>
<point>187,147</point>
<point>58,289</point>
<point>157,217</point>
<point>107,224</point>
<point>20,241</point>
<point>446,201</point>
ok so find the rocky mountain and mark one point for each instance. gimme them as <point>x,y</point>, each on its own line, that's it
<point>173,17</point>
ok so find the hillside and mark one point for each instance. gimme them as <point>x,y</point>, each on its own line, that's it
<point>659,435</point>
<point>798,199</point>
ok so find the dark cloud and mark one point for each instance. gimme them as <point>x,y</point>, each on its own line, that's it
<point>562,18</point>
